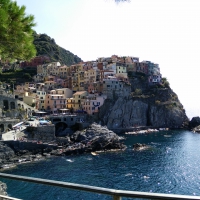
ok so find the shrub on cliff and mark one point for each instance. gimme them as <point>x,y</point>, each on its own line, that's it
<point>165,82</point>
<point>157,102</point>
<point>138,91</point>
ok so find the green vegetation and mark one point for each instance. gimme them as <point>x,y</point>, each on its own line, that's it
<point>16,34</point>
<point>18,76</point>
<point>157,102</point>
<point>46,46</point>
<point>138,91</point>
<point>165,82</point>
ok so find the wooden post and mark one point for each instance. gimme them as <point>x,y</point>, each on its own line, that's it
<point>115,197</point>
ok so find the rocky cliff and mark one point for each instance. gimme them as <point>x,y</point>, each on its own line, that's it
<point>156,106</point>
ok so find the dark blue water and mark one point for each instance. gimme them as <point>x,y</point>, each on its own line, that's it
<point>171,165</point>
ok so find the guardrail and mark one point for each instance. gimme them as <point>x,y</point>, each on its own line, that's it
<point>2,197</point>
<point>116,194</point>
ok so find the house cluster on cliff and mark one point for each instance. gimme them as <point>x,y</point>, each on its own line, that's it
<point>84,86</point>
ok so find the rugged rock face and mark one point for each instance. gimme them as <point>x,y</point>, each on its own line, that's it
<point>3,188</point>
<point>98,138</point>
<point>157,107</point>
<point>194,122</point>
<point>196,129</point>
<point>5,152</point>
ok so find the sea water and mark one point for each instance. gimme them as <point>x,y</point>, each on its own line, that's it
<point>170,165</point>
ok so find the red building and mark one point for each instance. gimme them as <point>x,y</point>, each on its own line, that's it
<point>38,60</point>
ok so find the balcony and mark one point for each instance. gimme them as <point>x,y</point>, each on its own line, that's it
<point>115,194</point>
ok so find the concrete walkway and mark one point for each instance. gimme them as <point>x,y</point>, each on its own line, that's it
<point>13,134</point>
<point>18,133</point>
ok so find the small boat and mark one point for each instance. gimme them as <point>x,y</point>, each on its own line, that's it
<point>94,154</point>
<point>167,136</point>
<point>69,160</point>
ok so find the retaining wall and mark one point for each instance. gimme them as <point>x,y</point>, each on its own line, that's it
<point>30,146</point>
<point>44,133</point>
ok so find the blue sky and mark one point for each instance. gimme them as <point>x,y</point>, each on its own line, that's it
<point>166,32</point>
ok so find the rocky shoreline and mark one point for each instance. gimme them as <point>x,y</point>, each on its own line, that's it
<point>95,138</point>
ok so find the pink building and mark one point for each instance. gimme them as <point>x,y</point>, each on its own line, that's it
<point>54,102</point>
<point>57,99</point>
<point>92,103</point>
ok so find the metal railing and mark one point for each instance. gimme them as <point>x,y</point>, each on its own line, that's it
<point>116,194</point>
<point>2,197</point>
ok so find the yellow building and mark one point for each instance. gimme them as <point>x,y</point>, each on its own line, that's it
<point>53,68</point>
<point>90,76</point>
<point>30,98</point>
<point>74,77</point>
<point>75,102</point>
<point>63,71</point>
<point>81,78</point>
<point>50,85</point>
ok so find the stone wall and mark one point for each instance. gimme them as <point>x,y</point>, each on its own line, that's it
<point>7,100</point>
<point>44,133</point>
<point>7,123</point>
<point>30,146</point>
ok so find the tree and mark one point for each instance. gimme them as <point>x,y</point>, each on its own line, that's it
<point>16,33</point>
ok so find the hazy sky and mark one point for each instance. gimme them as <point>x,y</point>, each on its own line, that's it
<point>166,32</point>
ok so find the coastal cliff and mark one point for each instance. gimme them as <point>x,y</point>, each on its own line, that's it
<point>156,106</point>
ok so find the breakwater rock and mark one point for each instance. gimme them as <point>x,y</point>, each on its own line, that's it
<point>196,129</point>
<point>97,137</point>
<point>194,122</point>
<point>139,147</point>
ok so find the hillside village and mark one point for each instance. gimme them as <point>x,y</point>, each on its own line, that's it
<point>83,87</point>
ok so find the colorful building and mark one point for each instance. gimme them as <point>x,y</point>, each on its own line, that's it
<point>75,102</point>
<point>56,99</point>
<point>92,103</point>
